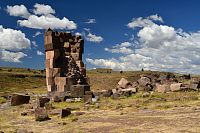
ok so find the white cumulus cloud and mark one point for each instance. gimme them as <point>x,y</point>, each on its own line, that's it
<point>161,48</point>
<point>13,39</point>
<point>42,18</point>
<point>93,38</point>
<point>41,9</point>
<point>45,22</point>
<point>144,22</point>
<point>18,10</point>
<point>123,48</point>
<point>11,42</point>
<point>9,56</point>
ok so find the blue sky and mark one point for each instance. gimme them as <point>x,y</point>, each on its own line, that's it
<point>122,35</point>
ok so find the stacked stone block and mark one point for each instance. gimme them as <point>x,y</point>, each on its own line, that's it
<point>64,65</point>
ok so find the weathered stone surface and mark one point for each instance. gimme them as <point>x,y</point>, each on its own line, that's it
<point>162,88</point>
<point>176,87</point>
<point>195,85</point>
<point>144,81</point>
<point>78,90</point>
<point>65,112</point>
<point>64,65</point>
<point>41,101</point>
<point>123,83</point>
<point>41,114</point>
<point>18,99</point>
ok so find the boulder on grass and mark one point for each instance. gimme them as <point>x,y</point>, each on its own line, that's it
<point>41,114</point>
<point>176,87</point>
<point>162,88</point>
<point>144,81</point>
<point>123,83</point>
<point>65,112</point>
<point>18,99</point>
<point>41,101</point>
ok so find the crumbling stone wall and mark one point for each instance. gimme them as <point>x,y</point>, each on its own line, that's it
<point>65,70</point>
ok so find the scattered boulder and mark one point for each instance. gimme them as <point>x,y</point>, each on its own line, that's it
<point>162,88</point>
<point>176,87</point>
<point>65,112</point>
<point>41,114</point>
<point>41,101</point>
<point>144,81</point>
<point>195,85</point>
<point>123,83</point>
<point>18,99</point>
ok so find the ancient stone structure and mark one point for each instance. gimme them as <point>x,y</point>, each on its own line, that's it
<point>65,70</point>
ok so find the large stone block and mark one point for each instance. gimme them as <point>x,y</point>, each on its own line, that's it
<point>176,87</point>
<point>163,88</point>
<point>123,83</point>
<point>50,81</point>
<point>53,72</point>
<point>78,90</point>
<point>51,63</point>
<point>63,88</point>
<point>51,88</point>
<point>18,99</point>
<point>53,54</point>
<point>61,80</point>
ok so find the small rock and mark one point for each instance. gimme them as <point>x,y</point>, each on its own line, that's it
<point>65,112</point>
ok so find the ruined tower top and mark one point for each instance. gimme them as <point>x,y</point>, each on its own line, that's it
<point>64,66</point>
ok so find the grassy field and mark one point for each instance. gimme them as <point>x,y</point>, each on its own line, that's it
<point>169,112</point>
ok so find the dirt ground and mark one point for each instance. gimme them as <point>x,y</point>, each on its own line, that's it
<point>124,120</point>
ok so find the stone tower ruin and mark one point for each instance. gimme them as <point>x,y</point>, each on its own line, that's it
<point>65,70</point>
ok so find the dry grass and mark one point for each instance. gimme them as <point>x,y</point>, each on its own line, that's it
<point>168,112</point>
